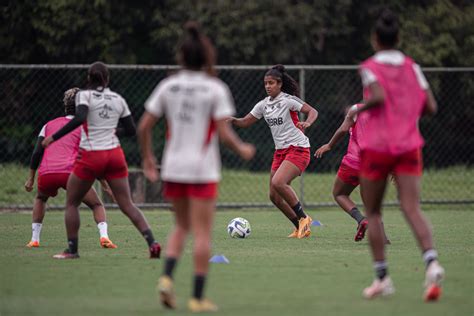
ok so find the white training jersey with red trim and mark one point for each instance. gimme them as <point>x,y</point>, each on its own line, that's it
<point>191,102</point>
<point>105,109</point>
<point>281,115</point>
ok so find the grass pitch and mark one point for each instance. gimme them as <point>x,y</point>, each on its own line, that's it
<point>268,274</point>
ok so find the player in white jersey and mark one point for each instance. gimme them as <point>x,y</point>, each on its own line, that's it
<point>196,106</point>
<point>99,110</point>
<point>292,155</point>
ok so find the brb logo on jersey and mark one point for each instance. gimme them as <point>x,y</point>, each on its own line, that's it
<point>275,121</point>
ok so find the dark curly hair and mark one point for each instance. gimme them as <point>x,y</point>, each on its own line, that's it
<point>69,101</point>
<point>289,85</point>
<point>387,28</point>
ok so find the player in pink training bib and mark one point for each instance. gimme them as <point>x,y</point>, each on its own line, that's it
<point>55,165</point>
<point>396,95</point>
<point>292,149</point>
<point>196,106</point>
<point>347,178</point>
<point>99,111</point>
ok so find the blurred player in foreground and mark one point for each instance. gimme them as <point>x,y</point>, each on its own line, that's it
<point>196,105</point>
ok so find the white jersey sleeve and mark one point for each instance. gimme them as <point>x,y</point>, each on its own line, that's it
<point>258,110</point>
<point>126,110</point>
<point>294,103</point>
<point>353,108</point>
<point>420,77</point>
<point>224,106</point>
<point>367,77</point>
<point>43,131</point>
<point>83,97</point>
<point>155,103</point>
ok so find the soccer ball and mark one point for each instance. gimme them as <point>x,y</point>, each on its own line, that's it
<point>239,228</point>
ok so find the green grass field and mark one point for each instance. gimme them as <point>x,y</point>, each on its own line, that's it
<point>268,274</point>
<point>451,184</point>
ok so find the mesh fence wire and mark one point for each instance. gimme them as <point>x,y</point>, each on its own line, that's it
<point>31,95</point>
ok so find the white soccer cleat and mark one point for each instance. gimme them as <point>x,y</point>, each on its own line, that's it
<point>433,277</point>
<point>378,288</point>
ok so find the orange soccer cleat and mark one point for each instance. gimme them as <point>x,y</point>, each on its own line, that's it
<point>107,243</point>
<point>304,229</point>
<point>166,292</point>
<point>33,244</point>
<point>201,306</point>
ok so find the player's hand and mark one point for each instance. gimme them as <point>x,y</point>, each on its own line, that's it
<point>247,151</point>
<point>321,150</point>
<point>107,189</point>
<point>47,141</point>
<point>29,184</point>
<point>150,169</point>
<point>302,126</point>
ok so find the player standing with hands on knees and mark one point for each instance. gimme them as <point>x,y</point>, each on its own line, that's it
<point>292,155</point>
<point>55,165</point>
<point>99,110</point>
<point>196,106</point>
<point>396,95</point>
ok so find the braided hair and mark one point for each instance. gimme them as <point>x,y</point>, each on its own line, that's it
<point>196,51</point>
<point>288,84</point>
<point>98,76</point>
<point>70,101</point>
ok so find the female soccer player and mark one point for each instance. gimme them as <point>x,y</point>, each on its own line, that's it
<point>396,94</point>
<point>347,178</point>
<point>55,165</point>
<point>196,105</point>
<point>292,155</point>
<point>99,110</point>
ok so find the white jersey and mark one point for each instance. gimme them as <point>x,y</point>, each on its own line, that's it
<point>281,115</point>
<point>191,101</point>
<point>105,109</point>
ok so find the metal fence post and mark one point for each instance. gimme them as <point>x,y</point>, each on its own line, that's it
<point>301,74</point>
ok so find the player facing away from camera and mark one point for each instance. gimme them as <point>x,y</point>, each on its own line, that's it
<point>99,110</point>
<point>292,149</point>
<point>396,95</point>
<point>347,178</point>
<point>55,165</point>
<point>196,105</point>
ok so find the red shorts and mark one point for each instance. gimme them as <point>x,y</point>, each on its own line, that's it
<point>173,190</point>
<point>299,156</point>
<point>377,166</point>
<point>348,175</point>
<point>101,164</point>
<point>50,183</point>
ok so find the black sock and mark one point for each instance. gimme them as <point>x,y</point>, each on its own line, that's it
<point>170,263</point>
<point>295,222</point>
<point>148,235</point>
<point>381,269</point>
<point>73,244</point>
<point>199,281</point>
<point>299,210</point>
<point>357,215</point>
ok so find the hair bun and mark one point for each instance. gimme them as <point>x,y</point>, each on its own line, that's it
<point>388,17</point>
<point>279,67</point>
<point>192,28</point>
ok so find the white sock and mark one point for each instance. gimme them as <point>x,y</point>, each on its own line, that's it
<point>103,230</point>
<point>36,231</point>
<point>430,256</point>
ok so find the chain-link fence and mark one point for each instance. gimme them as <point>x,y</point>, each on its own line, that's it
<point>31,95</point>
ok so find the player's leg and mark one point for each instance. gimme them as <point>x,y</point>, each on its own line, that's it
<point>77,188</point>
<point>281,183</point>
<point>201,219</point>
<point>372,195</point>
<point>409,195</point>
<point>121,191</point>
<point>39,210</point>
<point>174,248</point>
<point>341,193</point>
<point>93,201</point>
<point>281,204</point>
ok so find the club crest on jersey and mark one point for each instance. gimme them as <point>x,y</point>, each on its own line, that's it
<point>104,113</point>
